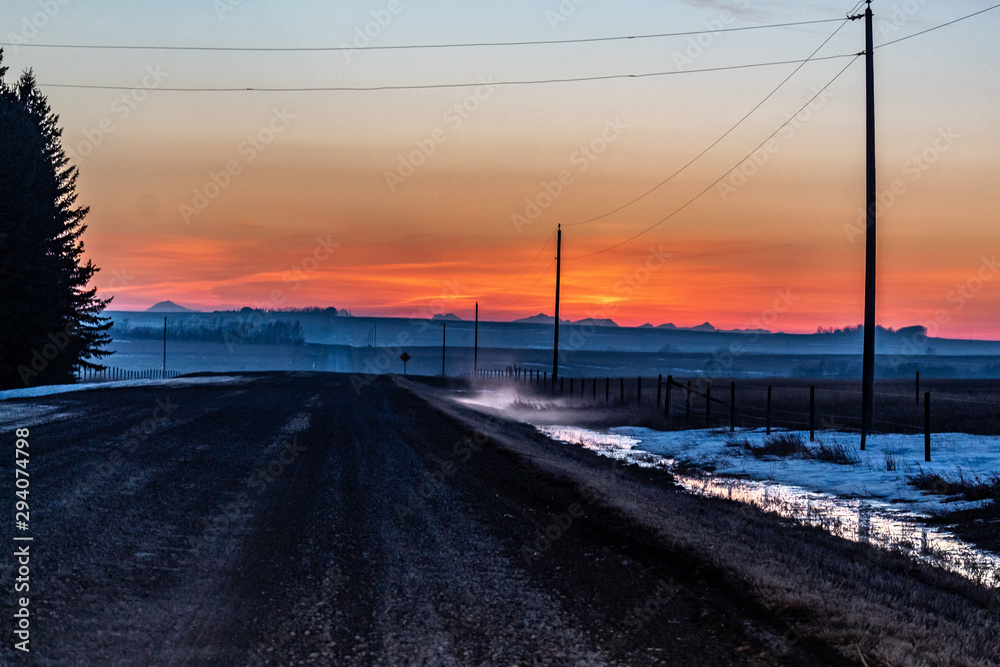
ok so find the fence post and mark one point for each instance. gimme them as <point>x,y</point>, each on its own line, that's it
<point>593,389</point>
<point>638,391</point>
<point>622,398</point>
<point>607,389</point>
<point>768,409</point>
<point>812,413</point>
<point>708,405</point>
<point>571,386</point>
<point>659,389</point>
<point>918,387</point>
<point>687,409</point>
<point>927,427</point>
<point>732,407</point>
<point>562,386</point>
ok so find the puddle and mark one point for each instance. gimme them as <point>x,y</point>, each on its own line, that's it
<point>859,519</point>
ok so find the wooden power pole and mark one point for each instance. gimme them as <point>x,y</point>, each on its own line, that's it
<point>555,344</point>
<point>475,344</point>
<point>444,345</point>
<point>868,359</point>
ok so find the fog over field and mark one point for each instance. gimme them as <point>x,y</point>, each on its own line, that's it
<point>322,340</point>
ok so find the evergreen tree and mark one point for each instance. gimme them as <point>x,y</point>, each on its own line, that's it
<point>50,321</point>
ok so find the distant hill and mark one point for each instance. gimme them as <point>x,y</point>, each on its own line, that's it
<point>169,307</point>
<point>704,327</point>
<point>597,322</point>
<point>542,318</point>
<point>668,325</point>
<point>450,317</point>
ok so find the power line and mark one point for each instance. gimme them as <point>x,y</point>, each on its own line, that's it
<point>717,141</point>
<point>728,171</point>
<point>447,85</point>
<point>528,291</point>
<point>264,49</point>
<point>937,27</point>
<point>535,259</point>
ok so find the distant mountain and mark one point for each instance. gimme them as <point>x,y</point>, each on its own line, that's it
<point>668,325</point>
<point>450,317</point>
<point>540,318</point>
<point>704,327</point>
<point>647,325</point>
<point>597,322</point>
<point>169,307</point>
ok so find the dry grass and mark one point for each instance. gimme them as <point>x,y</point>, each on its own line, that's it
<point>960,487</point>
<point>837,453</point>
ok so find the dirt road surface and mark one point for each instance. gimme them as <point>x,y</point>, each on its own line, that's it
<point>287,519</point>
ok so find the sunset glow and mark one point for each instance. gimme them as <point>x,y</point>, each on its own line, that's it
<point>414,202</point>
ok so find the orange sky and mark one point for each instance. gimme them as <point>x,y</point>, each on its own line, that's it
<point>186,205</point>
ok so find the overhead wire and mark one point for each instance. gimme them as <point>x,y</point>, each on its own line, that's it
<point>532,263</point>
<point>394,47</point>
<point>717,141</point>
<point>728,171</point>
<point>435,86</point>
<point>937,27</point>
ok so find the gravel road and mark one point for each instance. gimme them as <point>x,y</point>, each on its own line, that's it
<point>285,519</point>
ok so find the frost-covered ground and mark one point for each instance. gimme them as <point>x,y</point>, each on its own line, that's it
<point>52,389</point>
<point>952,455</point>
<point>862,501</point>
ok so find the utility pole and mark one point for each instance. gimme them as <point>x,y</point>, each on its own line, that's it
<point>868,359</point>
<point>444,344</point>
<point>164,346</point>
<point>555,345</point>
<point>475,344</point>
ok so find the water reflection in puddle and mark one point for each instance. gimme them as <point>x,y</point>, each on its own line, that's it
<point>858,519</point>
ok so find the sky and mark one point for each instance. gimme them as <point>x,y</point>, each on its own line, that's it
<point>412,202</point>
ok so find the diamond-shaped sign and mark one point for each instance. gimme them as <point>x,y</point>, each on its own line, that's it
<point>404,357</point>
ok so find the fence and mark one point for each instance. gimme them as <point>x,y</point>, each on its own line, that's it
<point>112,373</point>
<point>971,406</point>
